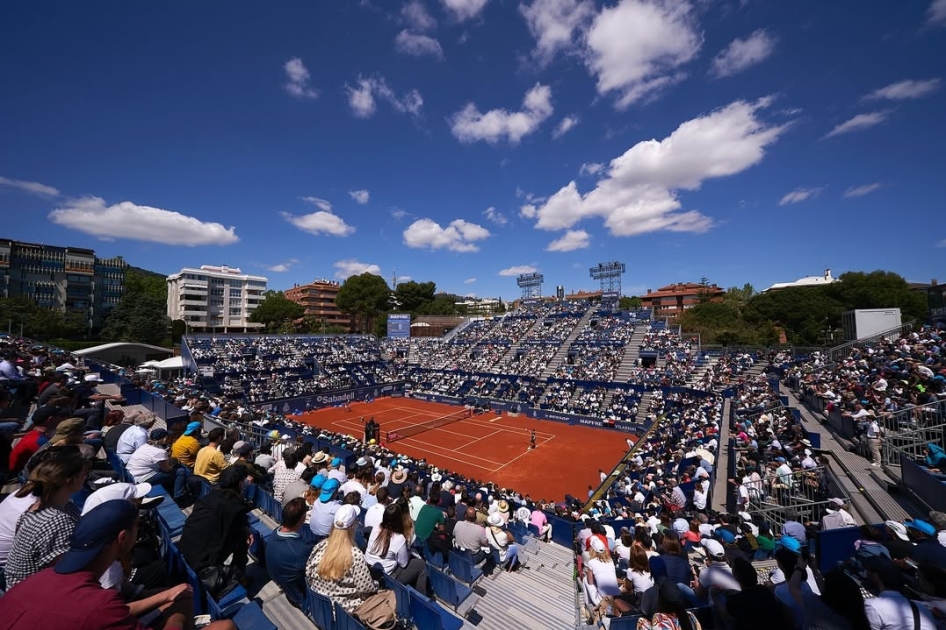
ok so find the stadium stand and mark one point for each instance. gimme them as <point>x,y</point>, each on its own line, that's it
<point>751,477</point>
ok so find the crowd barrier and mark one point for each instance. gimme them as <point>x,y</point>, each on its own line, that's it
<point>923,484</point>
<point>833,546</point>
<point>334,398</point>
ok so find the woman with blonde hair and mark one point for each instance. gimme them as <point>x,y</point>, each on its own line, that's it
<point>43,530</point>
<point>337,568</point>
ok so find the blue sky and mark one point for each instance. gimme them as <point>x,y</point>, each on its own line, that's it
<point>466,141</point>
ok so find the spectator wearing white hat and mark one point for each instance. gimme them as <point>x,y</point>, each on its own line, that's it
<point>836,516</point>
<point>500,540</point>
<point>717,575</point>
<point>135,436</point>
<point>337,567</point>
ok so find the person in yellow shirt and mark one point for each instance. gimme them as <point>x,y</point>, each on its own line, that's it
<point>186,447</point>
<point>211,462</point>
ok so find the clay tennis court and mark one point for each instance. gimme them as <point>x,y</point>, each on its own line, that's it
<point>489,447</point>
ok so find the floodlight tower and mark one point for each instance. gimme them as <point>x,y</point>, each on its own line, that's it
<point>531,285</point>
<point>609,274</point>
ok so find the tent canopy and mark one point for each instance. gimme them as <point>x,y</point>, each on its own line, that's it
<point>172,363</point>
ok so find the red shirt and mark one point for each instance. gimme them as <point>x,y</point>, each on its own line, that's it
<point>80,603</point>
<point>26,448</point>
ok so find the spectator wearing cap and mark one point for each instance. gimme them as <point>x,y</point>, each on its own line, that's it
<point>218,526</point>
<point>898,544</point>
<point>388,547</point>
<point>288,550</point>
<point>280,444</point>
<point>210,462</point>
<point>242,454</point>
<point>324,509</point>
<point>337,568</point>
<point>890,609</point>
<point>68,432</point>
<point>397,481</point>
<point>150,463</point>
<point>335,470</point>
<point>135,436</point>
<point>601,580</point>
<point>42,533</point>
<point>103,535</point>
<point>836,516</point>
<point>45,419</point>
<point>187,446</point>
<point>508,551</point>
<point>938,521</point>
<point>716,577</point>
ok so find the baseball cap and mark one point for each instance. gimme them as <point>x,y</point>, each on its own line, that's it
<point>346,516</point>
<point>681,526</point>
<point>329,488</point>
<point>792,544</point>
<point>836,501</point>
<point>158,434</point>
<point>96,529</point>
<point>336,462</point>
<point>318,481</point>
<point>92,378</point>
<point>193,427</point>
<point>713,548</point>
<point>115,492</point>
<point>897,529</point>
<point>597,545</point>
<point>725,535</point>
<point>921,526</point>
<point>242,448</point>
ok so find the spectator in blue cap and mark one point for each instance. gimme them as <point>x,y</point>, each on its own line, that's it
<point>324,509</point>
<point>919,530</point>
<point>335,471</point>
<point>104,534</point>
<point>186,447</point>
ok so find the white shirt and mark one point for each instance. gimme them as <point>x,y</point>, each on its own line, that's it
<point>353,485</point>
<point>892,611</point>
<point>699,498</point>
<point>415,504</point>
<point>397,554</point>
<point>130,441</point>
<point>606,578</point>
<point>374,514</point>
<point>145,463</point>
<point>11,510</point>
<point>873,430</point>
<point>641,581</point>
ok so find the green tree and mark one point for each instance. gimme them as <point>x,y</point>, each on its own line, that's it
<point>631,303</point>
<point>364,297</point>
<point>277,312</point>
<point>443,304</point>
<point>139,318</point>
<point>412,296</point>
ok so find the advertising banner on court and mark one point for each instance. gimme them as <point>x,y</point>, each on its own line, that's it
<point>333,398</point>
<point>399,325</point>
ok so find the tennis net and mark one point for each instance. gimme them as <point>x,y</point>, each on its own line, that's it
<point>400,434</point>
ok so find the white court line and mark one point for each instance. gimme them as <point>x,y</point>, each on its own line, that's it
<point>440,446</point>
<point>462,460</point>
<point>469,444</point>
<point>523,455</point>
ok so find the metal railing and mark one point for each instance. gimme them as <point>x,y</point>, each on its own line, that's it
<point>910,443</point>
<point>842,351</point>
<point>912,418</point>
<point>800,488</point>
<point>777,516</point>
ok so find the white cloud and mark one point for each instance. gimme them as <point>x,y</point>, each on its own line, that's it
<point>570,241</point>
<point>591,168</point>
<point>860,191</point>
<point>417,45</point>
<point>398,214</point>
<point>318,202</point>
<point>298,79</point>
<point>352,267</point>
<point>462,10</point>
<point>31,187</point>
<point>282,267</point>
<point>321,222</point>
<point>554,24</point>
<point>362,98</point>
<point>415,15</point>
<point>458,236</point>
<point>743,53</point>
<point>904,90</point>
<point>637,195</point>
<point>401,279</point>
<point>528,211</point>
<point>469,125</point>
<point>860,123</point>
<point>567,124</point>
<point>798,195</point>
<point>360,196</point>
<point>139,223</point>
<point>518,270</point>
<point>936,14</point>
<point>636,48</point>
<point>495,216</point>
<point>469,281</point>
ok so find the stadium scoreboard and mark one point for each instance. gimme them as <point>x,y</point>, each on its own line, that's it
<point>399,325</point>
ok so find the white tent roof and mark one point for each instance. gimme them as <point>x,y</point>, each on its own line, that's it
<point>173,363</point>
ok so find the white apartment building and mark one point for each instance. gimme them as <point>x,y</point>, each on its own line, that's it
<point>215,299</point>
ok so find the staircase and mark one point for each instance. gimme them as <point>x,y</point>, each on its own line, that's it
<point>562,353</point>
<point>632,352</point>
<point>701,371</point>
<point>644,408</point>
<point>511,352</point>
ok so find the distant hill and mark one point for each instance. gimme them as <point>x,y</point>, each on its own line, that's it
<point>145,272</point>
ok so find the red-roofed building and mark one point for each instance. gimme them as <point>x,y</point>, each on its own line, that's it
<point>669,302</point>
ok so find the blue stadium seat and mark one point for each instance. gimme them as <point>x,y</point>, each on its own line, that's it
<point>345,621</point>
<point>463,569</point>
<point>251,617</point>
<point>450,590</point>
<point>433,558</point>
<point>402,595</point>
<point>319,609</point>
<point>628,622</point>
<point>428,615</point>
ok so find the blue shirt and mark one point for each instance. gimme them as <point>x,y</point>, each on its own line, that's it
<point>286,555</point>
<point>323,518</point>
